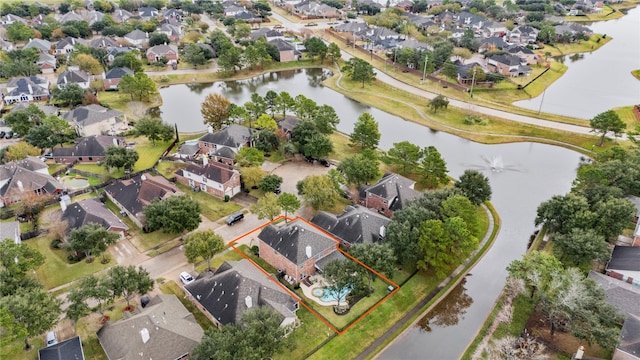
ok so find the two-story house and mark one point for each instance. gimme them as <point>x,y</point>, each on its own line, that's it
<point>389,194</point>
<point>217,179</point>
<point>222,145</point>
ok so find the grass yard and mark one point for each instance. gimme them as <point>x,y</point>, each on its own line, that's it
<point>168,168</point>
<point>15,350</point>
<point>122,102</point>
<point>628,117</point>
<point>98,170</point>
<point>310,334</point>
<point>607,13</point>
<point>149,153</point>
<point>594,43</point>
<point>228,255</point>
<point>93,181</point>
<point>170,287</point>
<point>56,270</point>
<point>211,207</point>
<point>53,167</point>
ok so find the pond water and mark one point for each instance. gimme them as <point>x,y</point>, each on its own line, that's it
<point>522,175</point>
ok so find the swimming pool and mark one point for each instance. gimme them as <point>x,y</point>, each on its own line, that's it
<point>333,295</point>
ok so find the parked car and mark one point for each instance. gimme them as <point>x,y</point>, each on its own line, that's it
<point>234,218</point>
<point>325,162</point>
<point>9,135</point>
<point>51,338</point>
<point>278,190</point>
<point>186,278</point>
<point>2,134</point>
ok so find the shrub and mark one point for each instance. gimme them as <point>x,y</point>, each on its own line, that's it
<point>56,244</point>
<point>227,198</point>
<point>256,250</point>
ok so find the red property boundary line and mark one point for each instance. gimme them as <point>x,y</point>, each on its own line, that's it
<point>294,295</point>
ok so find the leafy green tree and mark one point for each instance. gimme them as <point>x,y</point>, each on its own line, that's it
<point>130,59</point>
<point>608,121</point>
<point>119,157</point>
<point>127,281</point>
<point>359,70</point>
<point>257,55</point>
<point>139,86</point>
<point>174,214</point>
<point>270,183</point>
<point>194,54</point>
<point>437,103</point>
<point>249,156</point>
<point>60,131</point>
<point>19,32</point>
<point>90,288</point>
<point>267,207</point>
<point>230,60</point>
<point>365,132</point>
<point>305,107</point>
<point>318,192</point>
<point>251,176</point>
<point>547,35</point>
<point>16,260</point>
<point>536,269</point>
<point>158,39</point>
<point>460,206</point>
<point>449,70</point>
<point>289,203</point>
<point>22,121</point>
<point>237,114</point>
<point>475,186</point>
<point>316,48</point>
<point>317,146</point>
<point>20,63</point>
<point>284,102</point>
<point>564,212</point>
<point>154,129</point>
<point>91,239</point>
<point>20,151</point>
<point>12,331</point>
<point>334,52</point>
<point>215,111</point>
<point>360,168</point>
<point>70,95</point>
<point>266,122</point>
<point>87,63</point>
<point>404,154</point>
<point>266,140</point>
<point>613,216</point>
<point>340,274</point>
<point>580,246</point>
<point>379,257</point>
<point>325,119</point>
<point>204,245</point>
<point>255,107</point>
<point>433,169</point>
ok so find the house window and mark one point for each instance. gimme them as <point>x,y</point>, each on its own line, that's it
<point>79,159</point>
<point>90,158</point>
<point>191,183</point>
<point>203,187</point>
<point>204,179</point>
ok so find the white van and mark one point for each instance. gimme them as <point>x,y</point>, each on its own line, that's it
<point>51,338</point>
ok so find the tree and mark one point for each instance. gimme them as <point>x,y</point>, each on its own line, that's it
<point>266,140</point>
<point>563,213</point>
<point>127,281</point>
<point>249,156</point>
<point>256,106</point>
<point>475,73</point>
<point>257,55</point>
<point>360,168</point>
<point>203,244</point>
<point>318,191</point>
<point>70,95</point>
<point>267,207</point>
<point>404,154</point>
<point>608,121</point>
<point>130,59</point>
<point>52,132</point>
<point>20,151</point>
<point>435,247</point>
<point>20,63</point>
<point>251,176</point>
<point>158,39</point>
<point>359,70</point>
<point>325,119</point>
<point>33,309</point>
<point>547,35</point>
<point>305,108</point>
<point>580,247</point>
<point>22,121</point>
<point>139,86</point>
<point>19,32</point>
<point>613,216</point>
<point>87,63</point>
<point>194,54</point>
<point>341,274</point>
<point>536,269</point>
<point>284,102</point>
<point>365,132</point>
<point>119,157</point>
<point>289,203</point>
<point>257,336</point>
<point>266,122</point>
<point>317,146</point>
<point>95,289</point>
<point>316,48</point>
<point>433,169</point>
<point>91,239</point>
<point>215,111</point>
<point>229,60</point>
<point>154,129</point>
<point>438,102</point>
<point>334,52</point>
<point>174,214</point>
<point>378,256</point>
<point>270,183</point>
<point>11,330</point>
<point>460,206</point>
<point>16,260</point>
<point>475,186</point>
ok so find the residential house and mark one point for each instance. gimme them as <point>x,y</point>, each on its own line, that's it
<point>492,43</point>
<point>9,19</point>
<point>295,247</point>
<point>29,175</point>
<point>92,120</point>
<point>492,28</point>
<point>164,329</point>
<point>624,264</point>
<point>78,77</point>
<point>523,52</point>
<point>523,35</point>
<point>267,33</point>
<point>286,50</point>
<point>389,194</point>
<point>352,27</point>
<point>63,350</point>
<point>173,32</point>
<point>248,17</point>
<point>47,63</point>
<point>66,45</point>
<point>174,14</point>
<point>10,230</point>
<point>73,15</point>
<point>112,78</point>
<point>469,21</point>
<point>234,137</point>
<point>102,42</point>
<point>92,211</point>
<point>217,179</point>
<point>121,15</point>
<point>26,89</point>
<point>46,109</point>
<point>237,286</point>
<point>43,46</point>
<point>6,45</point>
<point>88,149</point>
<point>137,38</point>
<point>356,225</point>
<point>189,150</point>
<point>463,72</point>
<point>132,195</point>
<point>287,124</point>
<point>115,51</point>
<point>508,65</point>
<point>634,240</point>
<point>629,346</point>
<point>315,9</point>
<point>233,9</point>
<point>167,52</point>
<point>148,12</point>
<point>623,296</point>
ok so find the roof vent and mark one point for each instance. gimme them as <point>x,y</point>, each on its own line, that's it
<point>20,186</point>
<point>143,177</point>
<point>383,231</point>
<point>308,251</point>
<point>144,333</point>
<point>248,302</point>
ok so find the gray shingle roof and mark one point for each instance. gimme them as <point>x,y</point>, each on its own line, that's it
<point>231,136</point>
<point>72,77</point>
<point>23,175</point>
<point>46,109</point>
<point>355,226</point>
<point>9,230</point>
<point>624,296</point>
<point>70,349</point>
<point>39,44</point>
<point>137,35</point>
<point>170,329</point>
<point>336,255</point>
<point>625,258</point>
<point>135,193</point>
<point>90,146</point>
<point>217,172</point>
<point>91,211</point>
<point>102,42</point>
<point>397,189</point>
<point>90,114</point>
<point>293,239</point>
<point>224,292</point>
<point>630,336</point>
<point>34,85</point>
<point>118,73</point>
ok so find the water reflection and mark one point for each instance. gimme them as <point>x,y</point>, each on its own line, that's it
<point>449,311</point>
<point>199,87</point>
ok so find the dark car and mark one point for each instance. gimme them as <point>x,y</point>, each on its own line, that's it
<point>2,134</point>
<point>278,190</point>
<point>325,162</point>
<point>234,218</point>
<point>9,135</point>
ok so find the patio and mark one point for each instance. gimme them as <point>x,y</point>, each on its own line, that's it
<point>317,282</point>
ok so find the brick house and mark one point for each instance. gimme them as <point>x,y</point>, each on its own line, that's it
<point>508,65</point>
<point>168,52</point>
<point>233,138</point>
<point>524,53</point>
<point>295,248</point>
<point>26,89</point>
<point>216,179</point>
<point>356,225</point>
<point>18,178</point>
<point>93,120</point>
<point>286,50</point>
<point>90,149</point>
<point>112,78</point>
<point>389,194</point>
<point>92,211</point>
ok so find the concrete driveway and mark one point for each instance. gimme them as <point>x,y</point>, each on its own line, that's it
<point>296,170</point>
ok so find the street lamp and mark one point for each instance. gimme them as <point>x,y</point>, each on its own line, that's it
<point>473,81</point>
<point>424,73</point>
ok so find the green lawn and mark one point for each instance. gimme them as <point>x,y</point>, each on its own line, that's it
<point>53,167</point>
<point>311,333</point>
<point>93,181</point>
<point>229,255</point>
<point>98,170</point>
<point>168,168</point>
<point>148,152</point>
<point>211,207</point>
<point>170,287</point>
<point>56,270</point>
<point>15,350</point>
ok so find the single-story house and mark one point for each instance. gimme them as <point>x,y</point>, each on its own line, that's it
<point>137,38</point>
<point>47,63</point>
<point>188,150</point>
<point>93,120</point>
<point>89,149</point>
<point>121,15</point>
<point>164,329</point>
<point>112,77</point>
<point>168,52</point>
<point>295,247</point>
<point>389,194</point>
<point>29,175</point>
<point>9,19</point>
<point>102,42</point>
<point>46,109</point>
<point>132,195</point>
<point>26,89</point>
<point>70,349</point>
<point>624,264</point>
<point>217,179</point>
<point>148,12</point>
<point>66,45</point>
<point>79,77</point>
<point>43,46</point>
<point>315,9</point>
<point>92,211</point>
<point>115,51</point>
<point>233,137</point>
<point>237,286</point>
<point>10,230</point>
<point>356,225</point>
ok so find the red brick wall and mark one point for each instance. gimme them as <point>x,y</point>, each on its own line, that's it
<point>70,159</point>
<point>233,182</point>
<point>109,83</point>
<point>377,203</point>
<point>278,260</point>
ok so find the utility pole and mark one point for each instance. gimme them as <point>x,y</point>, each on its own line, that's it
<point>473,80</point>
<point>541,100</point>
<point>424,73</point>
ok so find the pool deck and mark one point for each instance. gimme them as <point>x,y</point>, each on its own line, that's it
<point>308,292</point>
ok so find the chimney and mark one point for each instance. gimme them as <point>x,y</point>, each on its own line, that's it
<point>30,88</point>
<point>248,302</point>
<point>383,231</point>
<point>143,177</point>
<point>63,205</point>
<point>20,186</point>
<point>205,160</point>
<point>147,33</point>
<point>115,142</point>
